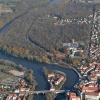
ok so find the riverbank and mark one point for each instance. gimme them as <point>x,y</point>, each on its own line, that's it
<point>64,65</point>
<point>24,53</point>
<point>44,60</point>
<point>72,76</point>
<point>59,64</point>
<point>13,77</point>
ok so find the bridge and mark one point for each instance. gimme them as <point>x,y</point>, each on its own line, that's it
<point>46,91</point>
<point>35,92</point>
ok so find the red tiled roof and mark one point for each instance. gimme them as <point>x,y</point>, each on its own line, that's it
<point>92,93</point>
<point>73,96</point>
<point>90,88</point>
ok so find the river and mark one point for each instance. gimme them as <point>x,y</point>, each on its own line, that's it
<point>72,76</point>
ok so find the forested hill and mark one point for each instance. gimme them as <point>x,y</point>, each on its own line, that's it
<point>39,26</point>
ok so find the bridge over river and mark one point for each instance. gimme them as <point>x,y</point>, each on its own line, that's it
<point>47,91</point>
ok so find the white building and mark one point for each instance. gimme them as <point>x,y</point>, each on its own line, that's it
<point>92,96</point>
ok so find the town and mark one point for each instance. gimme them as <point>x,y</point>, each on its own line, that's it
<point>89,85</point>
<point>19,82</point>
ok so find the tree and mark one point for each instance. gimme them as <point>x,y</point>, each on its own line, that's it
<point>29,76</point>
<point>30,97</point>
<point>75,61</point>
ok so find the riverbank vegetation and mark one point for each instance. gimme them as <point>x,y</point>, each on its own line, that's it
<point>32,84</point>
<point>34,32</point>
<point>24,53</point>
<point>30,79</point>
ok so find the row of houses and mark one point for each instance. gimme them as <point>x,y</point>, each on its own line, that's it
<point>90,89</point>
<point>95,43</point>
<point>20,93</point>
<point>5,9</point>
<point>79,21</point>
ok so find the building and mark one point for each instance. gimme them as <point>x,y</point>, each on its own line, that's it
<point>73,96</point>
<point>73,49</point>
<point>92,95</point>
<point>89,1</point>
<point>11,97</point>
<point>59,80</point>
<point>89,89</point>
<point>51,75</point>
<point>5,9</point>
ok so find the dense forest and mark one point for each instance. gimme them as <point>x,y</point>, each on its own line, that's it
<point>37,27</point>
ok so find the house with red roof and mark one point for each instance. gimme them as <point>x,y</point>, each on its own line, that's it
<point>92,95</point>
<point>73,96</point>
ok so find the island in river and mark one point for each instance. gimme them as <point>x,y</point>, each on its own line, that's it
<point>56,80</point>
<point>72,76</point>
